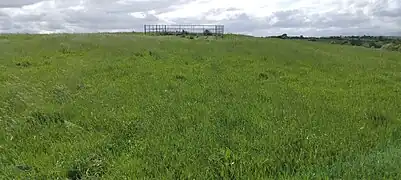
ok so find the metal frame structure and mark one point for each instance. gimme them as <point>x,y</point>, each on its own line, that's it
<point>209,30</point>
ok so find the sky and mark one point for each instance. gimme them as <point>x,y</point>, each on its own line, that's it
<point>253,17</point>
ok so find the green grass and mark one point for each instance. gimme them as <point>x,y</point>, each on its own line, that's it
<point>135,107</point>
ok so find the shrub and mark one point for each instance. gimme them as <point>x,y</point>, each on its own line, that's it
<point>391,47</point>
<point>24,64</point>
<point>367,45</point>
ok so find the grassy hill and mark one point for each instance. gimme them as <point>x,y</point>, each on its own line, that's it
<point>117,106</point>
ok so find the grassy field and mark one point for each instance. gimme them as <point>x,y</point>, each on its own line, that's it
<point>135,107</point>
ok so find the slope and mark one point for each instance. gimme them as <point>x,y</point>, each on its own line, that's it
<point>129,106</point>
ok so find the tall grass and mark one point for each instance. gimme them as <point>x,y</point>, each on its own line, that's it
<point>130,106</point>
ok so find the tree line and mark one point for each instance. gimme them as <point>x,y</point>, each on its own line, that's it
<point>379,42</point>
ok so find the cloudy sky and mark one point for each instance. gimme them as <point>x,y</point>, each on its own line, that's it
<point>255,17</point>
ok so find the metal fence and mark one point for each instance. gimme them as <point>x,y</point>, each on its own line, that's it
<point>215,30</point>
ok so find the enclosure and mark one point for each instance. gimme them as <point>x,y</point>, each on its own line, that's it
<point>216,30</point>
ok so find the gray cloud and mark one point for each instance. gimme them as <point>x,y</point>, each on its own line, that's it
<point>393,13</point>
<point>111,6</point>
<point>289,19</point>
<point>341,19</point>
<point>378,17</point>
<point>381,20</point>
<point>386,8</point>
<point>100,15</point>
<point>97,19</point>
<point>16,3</point>
<point>242,23</point>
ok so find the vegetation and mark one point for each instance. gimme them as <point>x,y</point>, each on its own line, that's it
<point>378,42</point>
<point>124,106</point>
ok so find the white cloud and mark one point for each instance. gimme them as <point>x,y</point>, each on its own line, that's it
<point>257,17</point>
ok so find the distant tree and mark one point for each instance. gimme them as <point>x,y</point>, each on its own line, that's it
<point>284,36</point>
<point>374,44</point>
<point>185,32</point>
<point>301,36</point>
<point>338,37</point>
<point>356,42</point>
<point>207,32</point>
